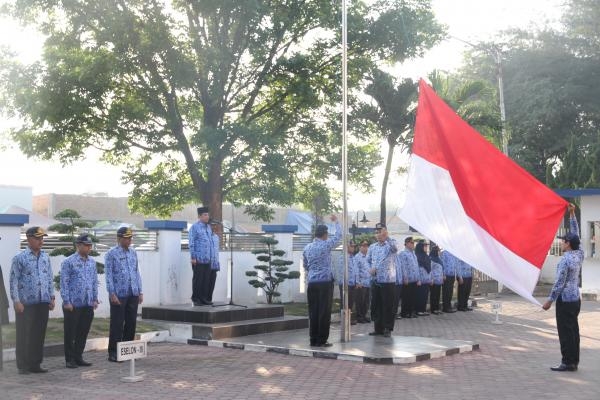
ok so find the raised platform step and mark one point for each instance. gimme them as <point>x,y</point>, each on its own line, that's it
<point>248,327</point>
<point>215,314</point>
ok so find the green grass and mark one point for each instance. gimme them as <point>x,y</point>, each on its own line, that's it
<point>54,332</point>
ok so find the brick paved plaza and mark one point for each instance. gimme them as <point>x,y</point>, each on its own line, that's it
<point>512,363</point>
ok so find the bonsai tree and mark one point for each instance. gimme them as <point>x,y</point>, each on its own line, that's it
<point>72,224</point>
<point>274,270</point>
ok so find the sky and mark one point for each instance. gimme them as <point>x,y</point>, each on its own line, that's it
<point>469,20</point>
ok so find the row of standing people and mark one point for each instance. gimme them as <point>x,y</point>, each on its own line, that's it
<point>436,278</point>
<point>32,293</point>
<point>380,276</point>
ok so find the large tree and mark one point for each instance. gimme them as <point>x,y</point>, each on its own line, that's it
<point>205,100</point>
<point>552,92</point>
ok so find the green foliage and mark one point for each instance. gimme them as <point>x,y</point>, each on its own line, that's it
<point>273,272</point>
<point>552,94</point>
<point>206,101</point>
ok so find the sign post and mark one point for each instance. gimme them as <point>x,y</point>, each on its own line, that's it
<point>496,309</point>
<point>131,351</point>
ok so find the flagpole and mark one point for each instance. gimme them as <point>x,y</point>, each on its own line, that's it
<point>345,331</point>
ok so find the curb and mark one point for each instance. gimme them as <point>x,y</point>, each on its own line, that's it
<point>334,355</point>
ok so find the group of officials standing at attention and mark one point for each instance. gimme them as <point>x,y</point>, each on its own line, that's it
<point>32,294</point>
<point>394,283</point>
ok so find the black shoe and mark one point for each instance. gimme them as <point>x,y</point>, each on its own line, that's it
<point>375,334</point>
<point>38,370</point>
<point>83,363</point>
<point>23,372</point>
<point>326,344</point>
<point>352,322</point>
<point>367,320</point>
<point>468,309</point>
<point>112,358</point>
<point>71,364</point>
<point>449,310</point>
<point>398,316</point>
<point>387,333</point>
<point>207,302</point>
<point>565,367</point>
<point>422,314</point>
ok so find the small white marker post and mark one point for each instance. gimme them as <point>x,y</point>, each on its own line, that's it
<point>131,351</point>
<point>497,309</point>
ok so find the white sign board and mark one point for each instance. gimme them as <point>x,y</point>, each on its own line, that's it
<point>131,350</point>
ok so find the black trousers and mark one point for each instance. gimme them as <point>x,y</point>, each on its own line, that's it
<point>409,294</point>
<point>200,282</point>
<point>362,300</point>
<point>422,295</point>
<point>434,297</point>
<point>320,300</point>
<point>568,330</point>
<point>76,326</point>
<point>122,322</point>
<point>31,327</point>
<point>397,297</point>
<point>384,317</point>
<point>447,292</point>
<point>464,291</point>
<point>212,279</point>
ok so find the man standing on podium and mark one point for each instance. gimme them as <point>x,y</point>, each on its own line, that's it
<point>202,249</point>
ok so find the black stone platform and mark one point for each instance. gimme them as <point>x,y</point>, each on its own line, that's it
<point>226,321</point>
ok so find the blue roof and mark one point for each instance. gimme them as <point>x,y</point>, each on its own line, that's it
<point>577,192</point>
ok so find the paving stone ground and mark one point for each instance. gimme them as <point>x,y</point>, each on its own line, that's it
<point>512,363</point>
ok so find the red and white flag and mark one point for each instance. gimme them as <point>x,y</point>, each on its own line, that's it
<point>474,201</point>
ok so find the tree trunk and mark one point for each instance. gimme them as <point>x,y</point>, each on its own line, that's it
<point>386,177</point>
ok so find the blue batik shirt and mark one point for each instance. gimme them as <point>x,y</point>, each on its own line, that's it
<point>317,257</point>
<point>449,263</point>
<point>464,270</point>
<point>79,281</point>
<point>362,266</point>
<point>352,271</point>
<point>31,278</point>
<point>399,280</point>
<point>424,276</point>
<point>410,266</point>
<point>215,264</point>
<point>567,272</point>
<point>437,273</point>
<point>122,273</point>
<point>382,257</point>
<point>201,242</point>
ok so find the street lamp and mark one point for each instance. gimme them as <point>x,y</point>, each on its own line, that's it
<point>354,224</point>
<point>496,54</point>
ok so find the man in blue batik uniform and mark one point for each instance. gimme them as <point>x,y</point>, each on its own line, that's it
<point>79,291</point>
<point>566,294</point>
<point>382,259</point>
<point>363,285</point>
<point>449,263</point>
<point>32,293</point>
<point>317,263</point>
<point>411,278</point>
<point>202,253</point>
<point>464,274</point>
<point>124,286</point>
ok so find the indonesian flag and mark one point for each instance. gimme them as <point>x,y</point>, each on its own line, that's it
<point>474,201</point>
